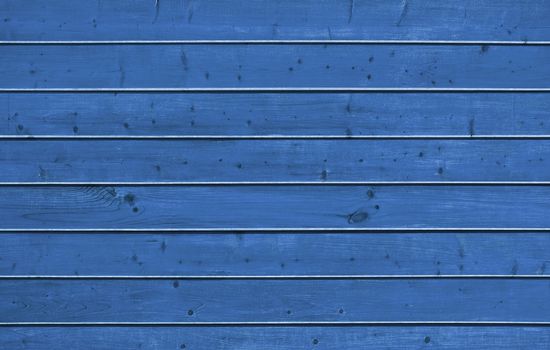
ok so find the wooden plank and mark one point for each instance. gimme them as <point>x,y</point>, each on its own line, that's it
<point>274,254</point>
<point>249,338</point>
<point>519,300</point>
<point>307,19</point>
<point>275,114</point>
<point>212,207</point>
<point>169,66</point>
<point>274,160</point>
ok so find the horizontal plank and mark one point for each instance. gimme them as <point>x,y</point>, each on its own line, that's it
<point>274,254</point>
<point>212,207</point>
<point>265,114</point>
<point>522,300</point>
<point>120,66</point>
<point>249,338</point>
<point>274,160</point>
<point>264,19</point>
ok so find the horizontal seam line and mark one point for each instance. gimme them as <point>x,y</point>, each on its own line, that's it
<point>268,89</point>
<point>266,277</point>
<point>284,229</point>
<point>273,183</point>
<point>284,323</point>
<point>281,42</point>
<point>273,137</point>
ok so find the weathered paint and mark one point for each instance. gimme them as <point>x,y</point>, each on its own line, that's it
<point>353,174</point>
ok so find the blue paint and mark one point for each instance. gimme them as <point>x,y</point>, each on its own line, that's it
<point>287,338</point>
<point>266,19</point>
<point>165,66</point>
<point>304,273</point>
<point>270,300</point>
<point>275,160</point>
<point>281,206</point>
<point>189,114</point>
<point>274,254</point>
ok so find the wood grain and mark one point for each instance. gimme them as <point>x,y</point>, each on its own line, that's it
<point>275,160</point>
<point>288,338</point>
<point>170,66</point>
<point>265,19</point>
<point>310,252</point>
<point>274,254</point>
<point>212,207</point>
<point>265,114</point>
<point>274,300</point>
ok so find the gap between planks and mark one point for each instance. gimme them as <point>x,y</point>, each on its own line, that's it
<point>278,324</point>
<point>273,90</point>
<point>292,230</point>
<point>274,137</point>
<point>265,277</point>
<point>279,42</point>
<point>273,183</point>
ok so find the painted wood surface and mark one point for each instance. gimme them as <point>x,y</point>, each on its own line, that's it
<point>274,300</point>
<point>336,338</point>
<point>274,254</point>
<point>252,252</point>
<point>275,160</point>
<point>264,19</point>
<point>172,66</point>
<point>328,114</point>
<point>261,206</point>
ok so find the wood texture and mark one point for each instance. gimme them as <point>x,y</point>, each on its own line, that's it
<point>275,160</point>
<point>322,252</point>
<point>274,300</point>
<point>265,19</point>
<point>170,66</point>
<point>74,207</point>
<point>375,338</point>
<point>275,114</point>
<point>274,254</point>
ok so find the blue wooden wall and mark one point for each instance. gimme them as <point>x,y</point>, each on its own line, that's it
<point>313,174</point>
